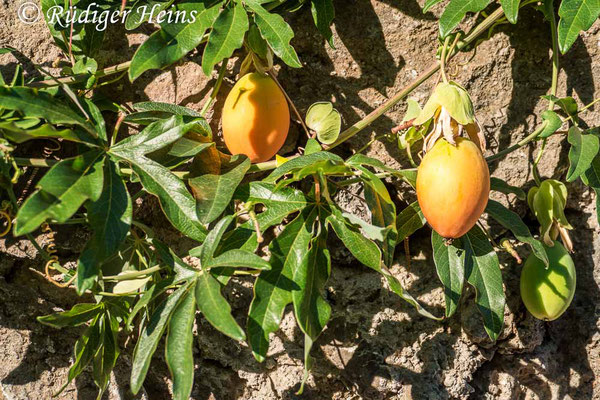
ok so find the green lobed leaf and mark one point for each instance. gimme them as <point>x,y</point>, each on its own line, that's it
<point>13,132</point>
<point>179,347</point>
<point>208,249</point>
<point>383,211</point>
<point>213,192</point>
<point>154,137</point>
<point>409,221</point>
<point>106,358</point>
<point>215,308</point>
<point>311,309</point>
<point>85,349</point>
<point>276,32</point>
<point>511,221</point>
<point>64,188</point>
<point>449,264</point>
<point>584,147</point>
<point>227,35</point>
<point>78,315</point>
<point>408,175</point>
<point>151,334</point>
<point>173,40</point>
<point>482,270</point>
<point>273,289</point>
<point>363,249</point>
<point>455,12</point>
<point>575,16</point>
<point>35,103</point>
<point>301,162</point>
<point>166,108</point>
<point>239,258</point>
<point>175,200</point>
<point>110,217</point>
<point>277,204</point>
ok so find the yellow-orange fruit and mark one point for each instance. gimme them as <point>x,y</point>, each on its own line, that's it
<point>453,186</point>
<point>256,118</point>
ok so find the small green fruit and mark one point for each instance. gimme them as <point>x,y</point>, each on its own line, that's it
<point>547,292</point>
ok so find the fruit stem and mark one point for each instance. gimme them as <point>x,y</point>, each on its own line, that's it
<point>291,103</point>
<point>517,145</point>
<point>443,59</point>
<point>555,53</point>
<point>216,88</point>
<point>378,112</point>
<point>68,80</point>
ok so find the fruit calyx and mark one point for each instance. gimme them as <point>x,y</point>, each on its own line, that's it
<point>548,202</point>
<point>451,109</point>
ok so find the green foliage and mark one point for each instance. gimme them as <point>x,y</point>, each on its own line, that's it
<point>277,228</point>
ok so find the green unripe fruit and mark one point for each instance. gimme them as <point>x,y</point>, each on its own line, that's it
<point>547,292</point>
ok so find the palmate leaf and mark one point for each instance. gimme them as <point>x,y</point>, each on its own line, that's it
<point>106,358</point>
<point>179,347</point>
<point>175,200</point>
<point>273,289</point>
<point>584,147</point>
<point>368,253</point>
<point>214,192</point>
<point>214,306</point>
<point>110,217</point>
<point>575,16</point>
<point>64,188</point>
<point>383,211</point>
<point>302,162</point>
<point>151,334</point>
<point>511,220</point>
<point>277,204</point>
<point>86,39</point>
<point>78,315</point>
<point>449,263</point>
<point>363,249</point>
<point>208,249</point>
<point>174,40</point>
<point>239,258</point>
<point>227,35</point>
<point>310,306</point>
<point>155,136</point>
<point>85,349</point>
<point>39,104</point>
<point>409,221</point>
<point>455,12</point>
<point>276,32</point>
<point>14,133</point>
<point>482,270</point>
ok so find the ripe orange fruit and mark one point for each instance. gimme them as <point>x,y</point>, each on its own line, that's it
<point>256,118</point>
<point>547,292</point>
<point>453,186</point>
